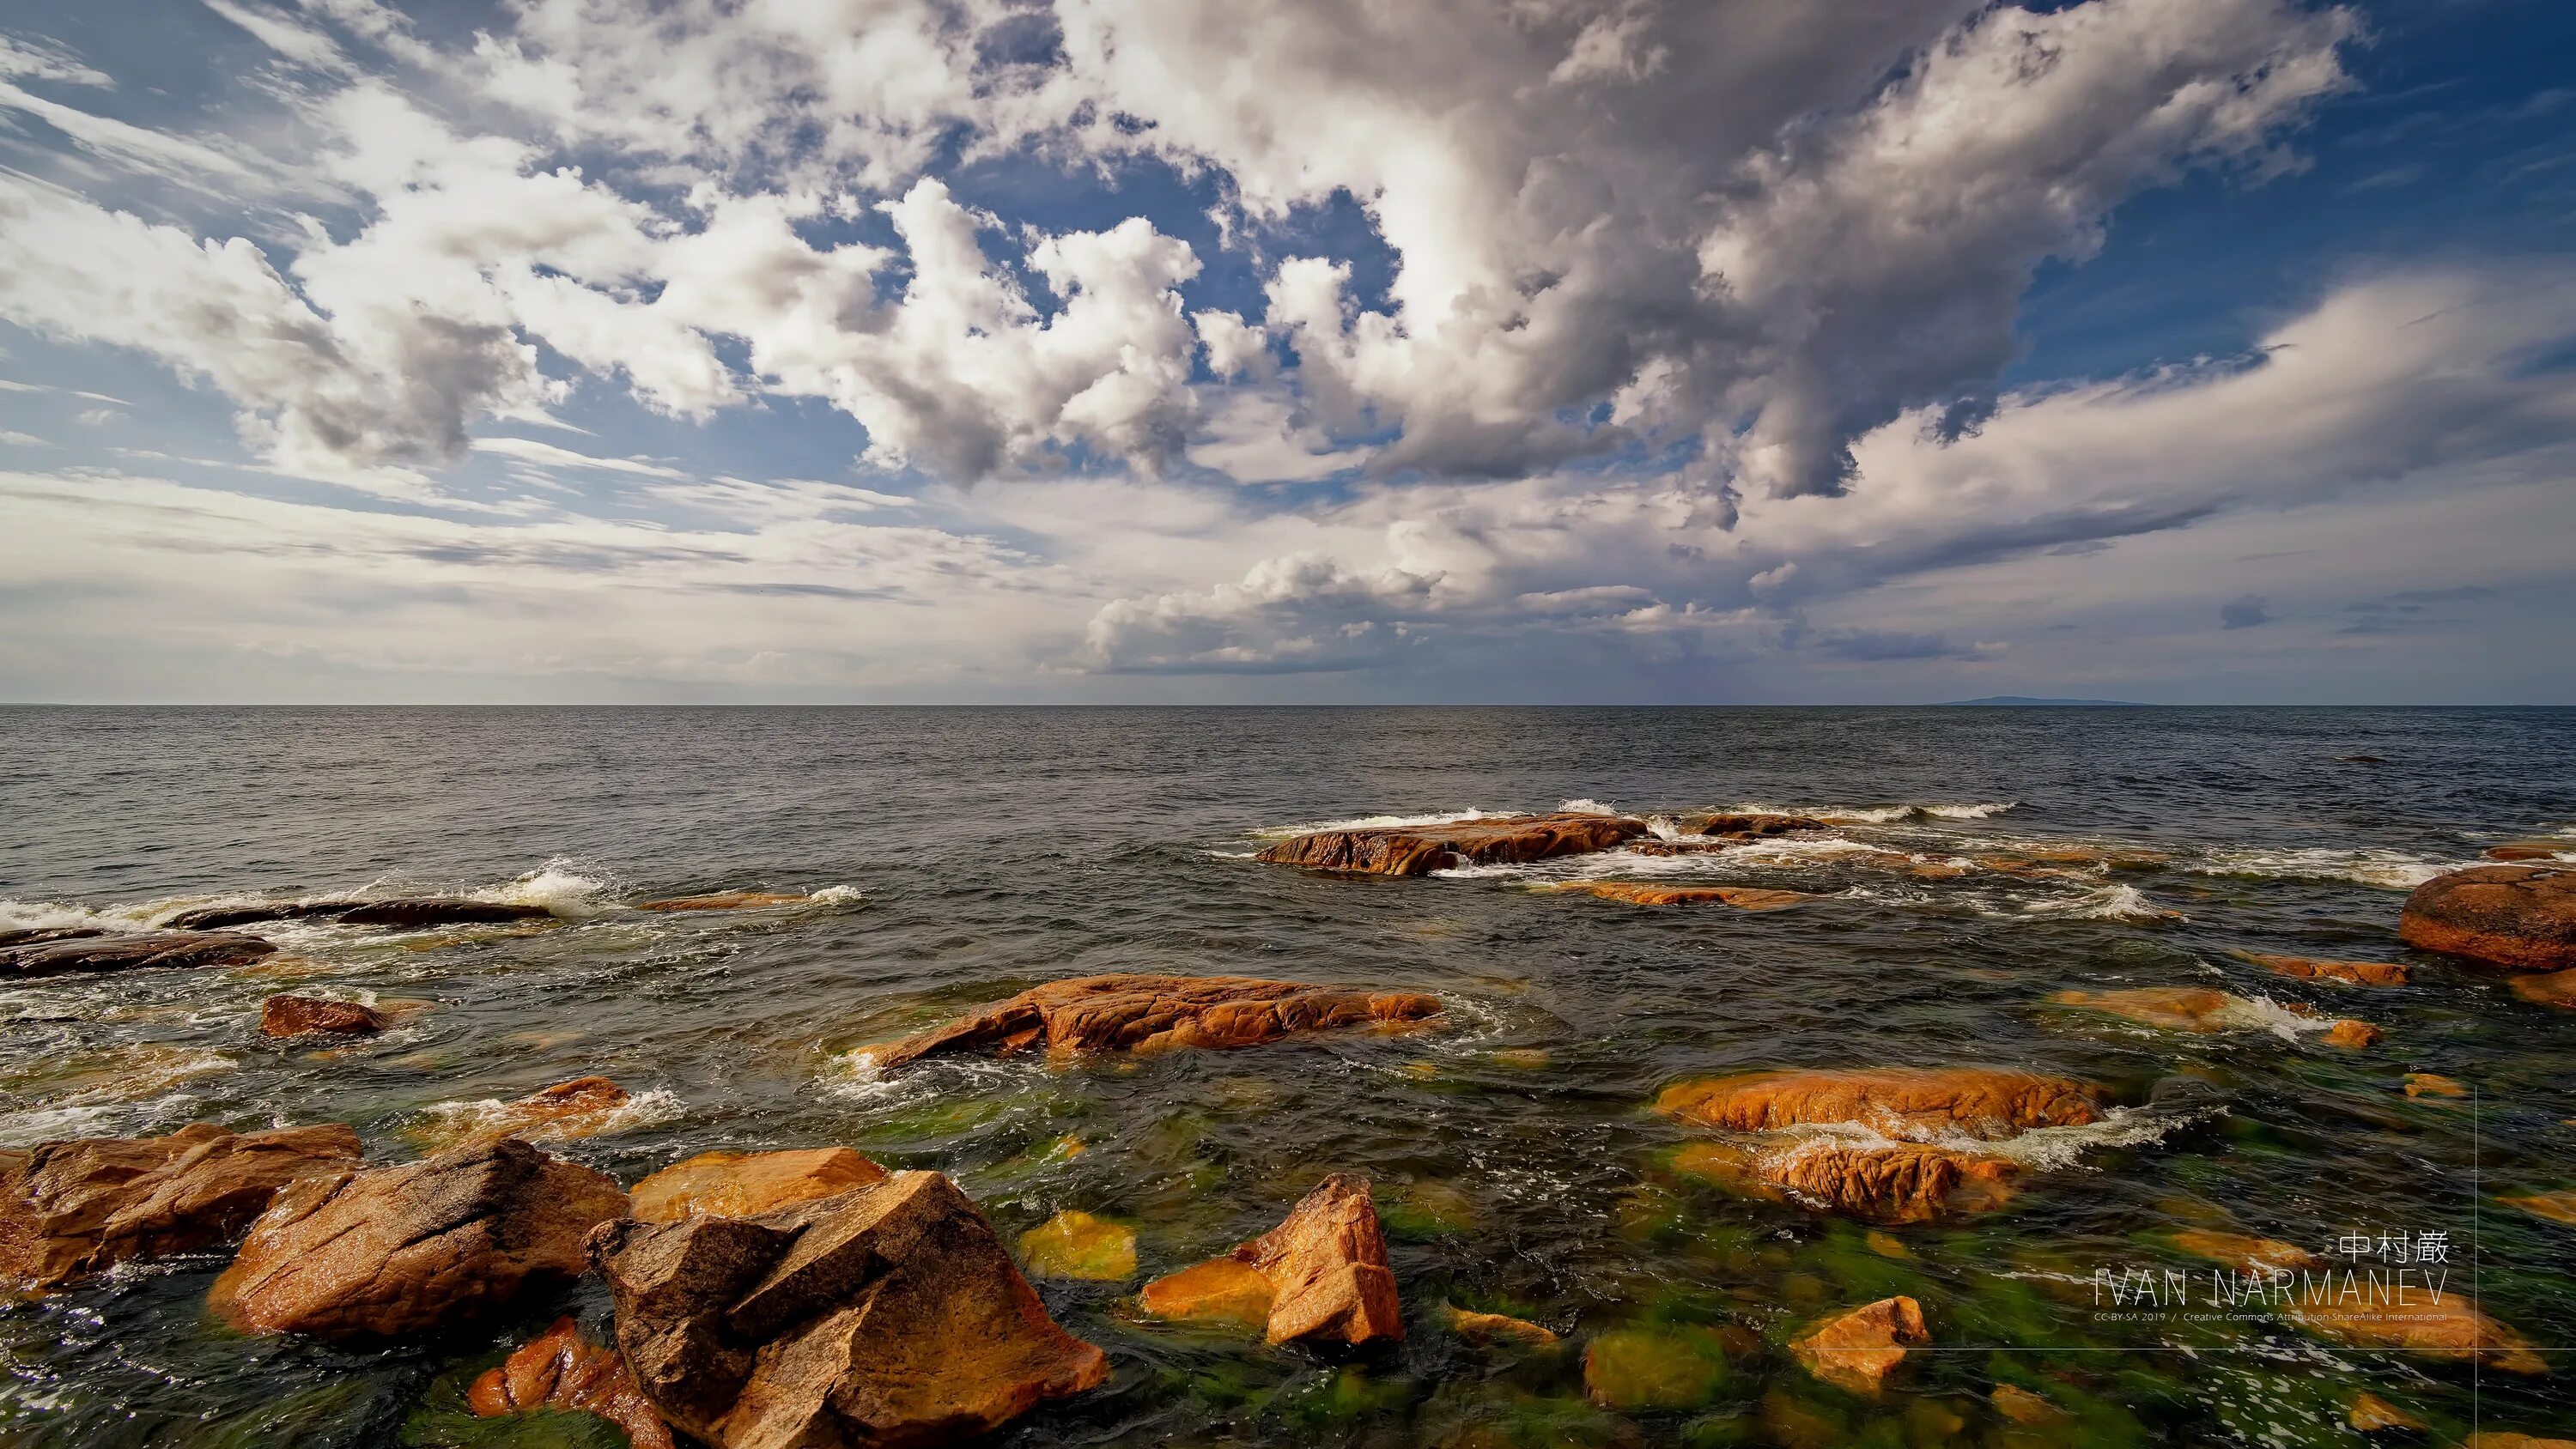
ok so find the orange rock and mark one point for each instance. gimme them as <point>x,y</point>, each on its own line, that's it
<point>2558,1207</point>
<point>557,1370</point>
<point>1224,1290</point>
<point>299,1015</point>
<point>1422,849</point>
<point>1886,1245</point>
<point>2371,1413</point>
<point>2509,1439</point>
<point>1152,1013</point>
<point>1743,825</point>
<point>2352,1035</point>
<point>1648,845</point>
<point>1643,893</point>
<point>2521,916</point>
<point>582,1107</point>
<point>1897,1101</point>
<point>740,1185</point>
<point>1075,1244</point>
<point>723,901</point>
<point>2451,1327</point>
<point>1855,1350</point>
<point>2357,973</point>
<point>1327,1267</point>
<point>2531,850</point>
<point>1894,1184</point>
<point>2171,1008</point>
<point>2024,1407</point>
<point>1497,1327</point>
<point>2426,1084</point>
<point>2548,988</point>
<point>71,1209</point>
<point>2246,1254</point>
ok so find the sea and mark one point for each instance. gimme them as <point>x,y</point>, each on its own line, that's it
<point>948,858</point>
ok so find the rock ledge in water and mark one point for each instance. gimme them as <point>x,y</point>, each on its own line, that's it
<point>1155,1013</point>
<point>886,1315</point>
<point>391,1252</point>
<point>1322,1273</point>
<point>406,915</point>
<point>80,949</point>
<point>1422,849</point>
<point>70,1209</point>
<point>290,1016</point>
<point>2521,916</point>
<point>2355,973</point>
<point>1984,1102</point>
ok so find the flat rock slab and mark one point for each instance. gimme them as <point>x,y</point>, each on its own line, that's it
<point>887,1315</point>
<point>407,915</point>
<point>724,901</point>
<point>1748,824</point>
<point>1985,1102</point>
<point>2520,916</point>
<point>1422,849</point>
<point>1155,1013</point>
<point>70,1209</point>
<point>393,1252</point>
<point>560,1370</point>
<point>94,951</point>
<point>2351,973</point>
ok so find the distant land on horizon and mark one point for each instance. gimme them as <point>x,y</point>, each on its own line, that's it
<point>2008,699</point>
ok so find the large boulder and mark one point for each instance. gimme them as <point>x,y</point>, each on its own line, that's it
<point>740,1185</point>
<point>1422,849</point>
<point>1986,1102</point>
<point>292,1016</point>
<point>1855,1350</point>
<point>1321,1274</point>
<point>391,1252</point>
<point>1154,1013</point>
<point>559,1370</point>
<point>888,1315</point>
<point>69,1209</point>
<point>82,950</point>
<point>2521,916</point>
<point>406,915</point>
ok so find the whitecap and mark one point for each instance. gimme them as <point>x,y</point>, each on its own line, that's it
<point>1586,806</point>
<point>2103,903</point>
<point>2386,869</point>
<point>1376,822</point>
<point>473,1119</point>
<point>838,895</point>
<point>563,886</point>
<point>1884,814</point>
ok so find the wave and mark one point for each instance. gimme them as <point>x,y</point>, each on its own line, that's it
<point>1376,822</point>
<point>2386,869</point>
<point>2041,1148</point>
<point>2103,903</point>
<point>643,1109</point>
<point>1883,814</point>
<point>1586,806</point>
<point>838,895</point>
<point>563,886</point>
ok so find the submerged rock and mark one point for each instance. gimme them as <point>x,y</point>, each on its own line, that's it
<point>411,914</point>
<point>1322,1273</point>
<point>1422,849</point>
<point>2548,988</point>
<point>1891,1184</point>
<point>2168,1008</point>
<point>559,1370</point>
<point>1856,1350</point>
<point>2530,850</point>
<point>1153,1013</point>
<point>2451,1327</point>
<point>287,1016</point>
<point>741,1185</point>
<point>83,950</point>
<point>2521,916</point>
<point>1646,893</point>
<point>2370,1414</point>
<point>2246,1254</point>
<point>1496,1328</point>
<point>725,901</point>
<point>2430,1084</point>
<point>1983,1102</point>
<point>2024,1407</point>
<point>2356,973</point>
<point>2351,1035</point>
<point>2558,1207</point>
<point>70,1209</point>
<point>582,1107</point>
<point>46,935</point>
<point>1671,1368</point>
<point>886,1315</point>
<point>1075,1244</point>
<point>390,1252</point>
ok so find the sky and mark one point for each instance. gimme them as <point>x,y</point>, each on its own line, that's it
<point>1486,351</point>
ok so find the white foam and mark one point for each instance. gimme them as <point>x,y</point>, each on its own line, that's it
<point>2044,1148</point>
<point>838,895</point>
<point>2262,1013</point>
<point>1883,814</point>
<point>643,1109</point>
<point>2103,903</point>
<point>53,916</point>
<point>1374,822</point>
<point>563,886</point>
<point>2387,869</point>
<point>1585,806</point>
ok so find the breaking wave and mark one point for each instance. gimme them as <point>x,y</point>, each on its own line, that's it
<point>1883,814</point>
<point>2386,869</point>
<point>644,1109</point>
<point>564,887</point>
<point>1375,822</point>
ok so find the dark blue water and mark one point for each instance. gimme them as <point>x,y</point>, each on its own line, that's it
<point>967,854</point>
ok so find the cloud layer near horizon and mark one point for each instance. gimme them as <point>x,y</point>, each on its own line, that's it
<point>1670,349</point>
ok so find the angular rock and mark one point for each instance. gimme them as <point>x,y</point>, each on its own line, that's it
<point>1856,1350</point>
<point>2452,1328</point>
<point>286,1016</point>
<point>82,951</point>
<point>1154,1013</point>
<point>1645,893</point>
<point>408,915</point>
<point>391,1252</point>
<point>70,1209</point>
<point>1327,1267</point>
<point>1891,1185</point>
<point>725,901</point>
<point>1422,849</point>
<point>741,1185</point>
<point>2429,1084</point>
<point>1747,825</point>
<point>2548,988</point>
<point>1497,1328</point>
<point>1075,1244</point>
<point>1221,1290</point>
<point>1896,1101</point>
<point>582,1107</point>
<point>2520,916</point>
<point>559,1370</point>
<point>2355,973</point>
<point>886,1315</point>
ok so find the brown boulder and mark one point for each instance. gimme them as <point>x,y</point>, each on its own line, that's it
<point>2354,973</point>
<point>724,901</point>
<point>1896,1101</point>
<point>1747,825</point>
<point>390,1252</point>
<point>1855,1350</point>
<point>741,1185</point>
<point>1154,1013</point>
<point>69,1209</point>
<point>1422,849</point>
<point>887,1315</point>
<point>558,1370</point>
<point>85,951</point>
<point>2511,1439</point>
<point>407,915</point>
<point>2521,916</point>
<point>1891,1184</point>
<point>1644,893</point>
<point>304,1015</point>
<point>582,1107</point>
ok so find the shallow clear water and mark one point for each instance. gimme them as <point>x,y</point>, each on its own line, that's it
<point>984,851</point>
